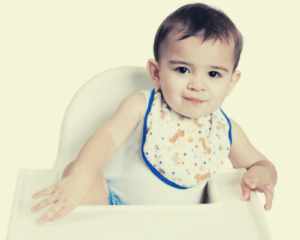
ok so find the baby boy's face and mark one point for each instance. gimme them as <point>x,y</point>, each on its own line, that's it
<point>192,69</point>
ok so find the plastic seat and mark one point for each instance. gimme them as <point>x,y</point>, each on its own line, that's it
<point>93,105</point>
<point>224,216</point>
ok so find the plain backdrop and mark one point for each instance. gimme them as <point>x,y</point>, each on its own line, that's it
<point>49,49</point>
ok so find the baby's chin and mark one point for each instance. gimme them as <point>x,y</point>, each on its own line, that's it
<point>191,115</point>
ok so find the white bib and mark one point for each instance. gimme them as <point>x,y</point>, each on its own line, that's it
<point>183,151</point>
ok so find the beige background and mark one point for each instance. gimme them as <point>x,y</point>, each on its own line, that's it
<point>49,49</point>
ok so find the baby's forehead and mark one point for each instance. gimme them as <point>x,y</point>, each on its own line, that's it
<point>214,52</point>
<point>175,44</point>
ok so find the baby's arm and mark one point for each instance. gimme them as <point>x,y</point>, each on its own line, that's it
<point>68,193</point>
<point>261,172</point>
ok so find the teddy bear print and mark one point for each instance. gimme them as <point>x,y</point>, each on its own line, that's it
<point>176,136</point>
<point>207,150</point>
<point>221,126</point>
<point>200,177</point>
<point>162,114</point>
<point>197,124</point>
<point>176,159</point>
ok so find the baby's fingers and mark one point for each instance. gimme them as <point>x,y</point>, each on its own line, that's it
<point>44,203</point>
<point>50,213</point>
<point>44,192</point>
<point>246,191</point>
<point>63,212</point>
<point>269,192</point>
<point>57,212</point>
<point>266,188</point>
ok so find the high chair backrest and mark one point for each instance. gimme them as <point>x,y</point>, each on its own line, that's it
<point>93,105</point>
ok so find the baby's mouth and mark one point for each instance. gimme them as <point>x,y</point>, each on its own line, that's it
<point>194,100</point>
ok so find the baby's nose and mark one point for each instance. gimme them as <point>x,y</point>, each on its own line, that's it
<point>197,84</point>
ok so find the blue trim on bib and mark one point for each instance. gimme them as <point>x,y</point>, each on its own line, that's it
<point>153,169</point>
<point>229,132</point>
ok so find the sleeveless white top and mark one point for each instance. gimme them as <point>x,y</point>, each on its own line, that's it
<point>133,182</point>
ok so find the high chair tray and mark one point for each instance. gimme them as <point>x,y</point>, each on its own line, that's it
<point>226,216</point>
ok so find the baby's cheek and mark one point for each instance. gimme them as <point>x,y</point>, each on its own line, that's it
<point>218,99</point>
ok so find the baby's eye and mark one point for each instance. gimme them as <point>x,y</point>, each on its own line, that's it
<point>214,74</point>
<point>181,69</point>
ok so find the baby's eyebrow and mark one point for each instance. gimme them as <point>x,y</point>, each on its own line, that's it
<point>180,62</point>
<point>221,68</point>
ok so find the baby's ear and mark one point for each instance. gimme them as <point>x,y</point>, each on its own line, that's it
<point>153,70</point>
<point>235,77</point>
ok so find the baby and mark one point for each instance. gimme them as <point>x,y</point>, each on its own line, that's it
<point>162,146</point>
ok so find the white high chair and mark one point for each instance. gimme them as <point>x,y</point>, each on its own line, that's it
<point>224,216</point>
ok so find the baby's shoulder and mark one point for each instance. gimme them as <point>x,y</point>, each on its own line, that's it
<point>126,118</point>
<point>142,102</point>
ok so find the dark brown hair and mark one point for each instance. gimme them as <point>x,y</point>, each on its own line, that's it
<point>194,19</point>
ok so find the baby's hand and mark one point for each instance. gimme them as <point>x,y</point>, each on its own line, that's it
<point>66,195</point>
<point>257,178</point>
